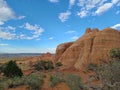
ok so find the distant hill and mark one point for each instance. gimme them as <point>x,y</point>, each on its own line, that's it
<point>7,56</point>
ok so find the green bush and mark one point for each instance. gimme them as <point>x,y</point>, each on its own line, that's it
<point>18,81</point>
<point>92,66</point>
<point>40,75</point>
<point>49,65</point>
<point>74,82</point>
<point>44,65</point>
<point>6,83</point>
<point>12,70</point>
<point>34,82</point>
<point>3,84</point>
<point>55,80</point>
<point>109,75</point>
<point>2,68</point>
<point>58,64</point>
<point>115,53</point>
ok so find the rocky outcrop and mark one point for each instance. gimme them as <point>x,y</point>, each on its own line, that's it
<point>61,49</point>
<point>92,47</point>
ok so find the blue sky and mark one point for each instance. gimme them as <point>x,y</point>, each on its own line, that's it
<point>37,26</point>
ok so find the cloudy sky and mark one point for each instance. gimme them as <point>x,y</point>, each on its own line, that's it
<point>40,25</point>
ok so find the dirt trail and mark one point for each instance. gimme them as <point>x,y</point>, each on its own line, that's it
<point>46,86</point>
<point>46,83</point>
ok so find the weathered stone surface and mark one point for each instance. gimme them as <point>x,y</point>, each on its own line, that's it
<point>61,49</point>
<point>93,47</point>
<point>88,30</point>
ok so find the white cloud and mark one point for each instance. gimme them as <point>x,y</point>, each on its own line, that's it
<point>54,1</point>
<point>81,3</point>
<point>64,16</point>
<point>103,8</point>
<point>32,32</point>
<point>87,6</point>
<point>50,38</point>
<point>21,17</point>
<point>10,28</point>
<point>1,23</point>
<point>36,31</point>
<point>30,27</point>
<point>6,12</point>
<point>2,44</point>
<point>117,26</point>
<point>51,50</point>
<point>75,37</point>
<point>71,3</point>
<point>69,32</point>
<point>94,7</point>
<point>82,13</point>
<point>6,35</point>
<point>115,1</point>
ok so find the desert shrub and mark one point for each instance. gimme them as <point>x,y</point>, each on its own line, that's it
<point>49,65</point>
<point>17,81</point>
<point>74,82</point>
<point>44,65</point>
<point>2,66</point>
<point>56,79</point>
<point>12,70</point>
<point>6,83</point>
<point>39,65</point>
<point>34,82</point>
<point>40,75</point>
<point>109,75</point>
<point>92,66</point>
<point>115,53</point>
<point>3,84</point>
<point>58,64</point>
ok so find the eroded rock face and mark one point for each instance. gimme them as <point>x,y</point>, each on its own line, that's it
<point>93,47</point>
<point>61,49</point>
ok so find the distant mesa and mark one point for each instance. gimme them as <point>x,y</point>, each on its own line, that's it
<point>92,47</point>
<point>46,57</point>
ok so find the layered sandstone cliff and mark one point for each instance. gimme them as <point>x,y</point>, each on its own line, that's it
<point>92,47</point>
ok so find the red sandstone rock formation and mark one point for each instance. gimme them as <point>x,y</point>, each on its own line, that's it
<point>93,47</point>
<point>61,49</point>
